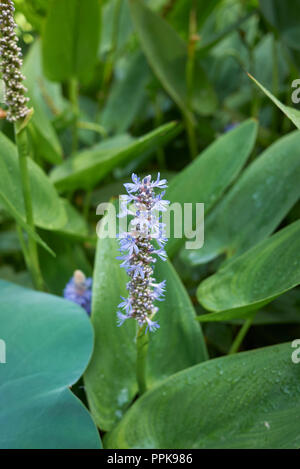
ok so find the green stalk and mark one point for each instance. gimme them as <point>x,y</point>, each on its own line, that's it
<point>241,335</point>
<point>31,255</point>
<point>73,96</point>
<point>158,119</point>
<point>190,81</point>
<point>87,204</point>
<point>142,342</point>
<point>109,64</point>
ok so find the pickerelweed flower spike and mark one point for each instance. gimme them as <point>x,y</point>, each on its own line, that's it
<point>11,64</point>
<point>79,290</point>
<point>138,250</point>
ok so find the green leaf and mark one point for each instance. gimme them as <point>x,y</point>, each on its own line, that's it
<point>9,243</point>
<point>285,17</point>
<point>71,39</point>
<point>247,400</point>
<point>9,207</point>
<point>253,279</point>
<point>75,227</point>
<point>255,205</point>
<point>48,345</point>
<point>291,113</point>
<point>166,52</point>
<point>206,178</point>
<point>48,211</point>
<point>111,376</point>
<point>89,167</point>
<point>70,256</point>
<point>46,142</point>
<point>127,95</point>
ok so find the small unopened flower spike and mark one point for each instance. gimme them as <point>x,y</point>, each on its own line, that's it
<point>79,290</point>
<point>139,252</point>
<point>11,65</point>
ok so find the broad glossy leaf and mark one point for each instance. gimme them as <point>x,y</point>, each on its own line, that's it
<point>247,400</point>
<point>166,52</point>
<point>89,167</point>
<point>71,39</point>
<point>111,376</point>
<point>206,178</point>
<point>255,278</point>
<point>48,345</point>
<point>42,94</point>
<point>48,211</point>
<point>291,113</point>
<point>255,205</point>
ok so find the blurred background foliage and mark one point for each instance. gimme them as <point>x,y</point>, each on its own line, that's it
<point>101,83</point>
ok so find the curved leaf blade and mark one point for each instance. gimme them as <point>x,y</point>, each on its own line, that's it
<point>253,279</point>
<point>48,211</point>
<point>111,376</point>
<point>247,400</point>
<point>255,205</point>
<point>49,342</point>
<point>71,39</point>
<point>87,168</point>
<point>206,178</point>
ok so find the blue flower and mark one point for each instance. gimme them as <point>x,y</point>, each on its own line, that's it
<point>139,252</point>
<point>79,290</point>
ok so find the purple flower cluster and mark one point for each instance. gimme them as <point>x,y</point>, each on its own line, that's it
<point>79,290</point>
<point>138,249</point>
<point>11,64</point>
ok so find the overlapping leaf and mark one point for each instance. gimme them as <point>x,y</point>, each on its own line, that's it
<point>48,344</point>
<point>255,205</point>
<point>206,178</point>
<point>87,168</point>
<point>111,377</point>
<point>71,39</point>
<point>48,211</point>
<point>166,52</point>
<point>247,400</point>
<point>255,278</point>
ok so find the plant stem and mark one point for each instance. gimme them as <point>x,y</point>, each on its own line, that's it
<point>109,64</point>
<point>93,127</point>
<point>87,204</point>
<point>192,140</point>
<point>31,256</point>
<point>142,342</point>
<point>241,335</point>
<point>190,81</point>
<point>73,96</point>
<point>158,119</point>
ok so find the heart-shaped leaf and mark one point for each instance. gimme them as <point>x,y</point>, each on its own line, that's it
<point>255,205</point>
<point>206,178</point>
<point>48,344</point>
<point>247,400</point>
<point>253,279</point>
<point>111,376</point>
